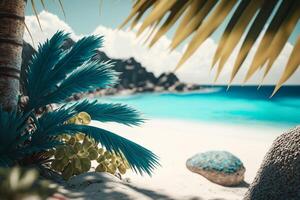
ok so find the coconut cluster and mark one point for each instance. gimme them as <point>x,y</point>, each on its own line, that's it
<point>76,156</point>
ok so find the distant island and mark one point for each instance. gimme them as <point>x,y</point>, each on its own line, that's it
<point>134,78</point>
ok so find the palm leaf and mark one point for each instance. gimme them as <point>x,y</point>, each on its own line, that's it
<point>252,34</point>
<point>29,33</point>
<point>233,20</point>
<point>43,4</point>
<point>140,159</point>
<point>5,161</point>
<point>291,67</point>
<point>32,148</point>
<point>13,156</point>
<point>82,51</point>
<point>138,8</point>
<point>237,32</point>
<point>282,35</point>
<point>103,112</point>
<point>33,6</point>
<point>62,8</point>
<point>50,120</point>
<point>35,12</point>
<point>13,134</point>
<point>213,21</point>
<point>91,75</point>
<point>202,17</point>
<point>260,56</point>
<point>107,112</point>
<point>176,12</point>
<point>47,75</point>
<point>157,13</point>
<point>193,19</point>
<point>51,125</point>
<point>43,61</point>
<point>12,126</point>
<point>55,75</point>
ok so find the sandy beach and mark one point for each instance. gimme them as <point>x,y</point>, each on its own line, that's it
<point>174,141</point>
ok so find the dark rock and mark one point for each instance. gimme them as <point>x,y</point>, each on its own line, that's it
<point>180,87</point>
<point>279,175</point>
<point>167,80</point>
<point>194,87</point>
<point>220,167</point>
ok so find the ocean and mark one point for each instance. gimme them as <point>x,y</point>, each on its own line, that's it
<point>239,105</point>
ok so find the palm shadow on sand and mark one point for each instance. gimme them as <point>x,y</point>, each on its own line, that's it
<point>97,186</point>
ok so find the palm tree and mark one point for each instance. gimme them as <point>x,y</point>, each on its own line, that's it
<point>54,75</point>
<point>11,41</point>
<point>11,44</point>
<point>201,18</point>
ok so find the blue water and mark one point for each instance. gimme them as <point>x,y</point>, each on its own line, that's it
<point>242,105</point>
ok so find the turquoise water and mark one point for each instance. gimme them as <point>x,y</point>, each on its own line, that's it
<point>243,105</point>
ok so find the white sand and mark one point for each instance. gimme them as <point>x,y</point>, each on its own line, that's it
<point>174,141</point>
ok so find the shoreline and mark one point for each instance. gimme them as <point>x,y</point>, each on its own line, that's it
<point>204,89</point>
<point>174,141</point>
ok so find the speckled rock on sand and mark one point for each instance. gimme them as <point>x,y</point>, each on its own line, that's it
<point>220,167</point>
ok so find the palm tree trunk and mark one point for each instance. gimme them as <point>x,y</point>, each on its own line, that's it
<point>11,42</point>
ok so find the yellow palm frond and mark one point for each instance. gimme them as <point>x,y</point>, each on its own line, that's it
<point>291,67</point>
<point>29,33</point>
<point>43,4</point>
<point>249,18</point>
<point>62,8</point>
<point>35,12</point>
<point>34,8</point>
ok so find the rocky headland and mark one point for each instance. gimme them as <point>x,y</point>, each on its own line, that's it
<point>133,78</point>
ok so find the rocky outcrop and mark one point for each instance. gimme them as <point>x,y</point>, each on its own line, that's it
<point>279,175</point>
<point>219,167</point>
<point>134,78</point>
<point>167,80</point>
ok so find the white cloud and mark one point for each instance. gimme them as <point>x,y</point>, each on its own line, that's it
<point>124,44</point>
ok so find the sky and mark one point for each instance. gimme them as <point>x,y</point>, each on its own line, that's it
<point>104,17</point>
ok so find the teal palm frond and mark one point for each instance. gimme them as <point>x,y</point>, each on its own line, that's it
<point>53,76</point>
<point>49,121</point>
<point>17,142</point>
<point>58,116</point>
<point>13,133</point>
<point>43,61</point>
<point>5,161</point>
<point>139,158</point>
<point>17,154</point>
<point>53,70</point>
<point>81,51</point>
<point>103,112</point>
<point>91,75</point>
<point>12,125</point>
<point>108,112</point>
<point>38,147</point>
